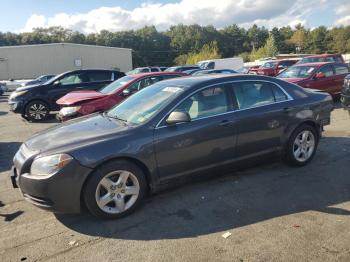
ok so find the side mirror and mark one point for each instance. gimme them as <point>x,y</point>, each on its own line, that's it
<point>320,75</point>
<point>57,83</point>
<point>125,93</point>
<point>280,67</point>
<point>178,117</point>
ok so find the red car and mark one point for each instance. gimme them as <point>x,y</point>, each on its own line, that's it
<point>81,103</point>
<point>327,77</point>
<point>272,68</point>
<point>338,58</point>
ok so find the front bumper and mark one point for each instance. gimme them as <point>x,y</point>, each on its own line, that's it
<point>16,106</point>
<point>345,101</point>
<point>57,193</point>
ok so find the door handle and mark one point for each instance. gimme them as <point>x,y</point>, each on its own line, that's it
<point>226,122</point>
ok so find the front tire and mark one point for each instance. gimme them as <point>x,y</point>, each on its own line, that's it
<point>36,111</point>
<point>302,145</point>
<point>114,190</point>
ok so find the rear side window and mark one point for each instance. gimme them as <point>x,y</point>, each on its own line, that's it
<point>327,70</point>
<point>211,65</point>
<point>255,94</point>
<point>341,69</point>
<point>153,69</point>
<point>99,76</point>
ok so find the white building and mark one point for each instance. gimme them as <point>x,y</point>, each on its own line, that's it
<point>31,61</point>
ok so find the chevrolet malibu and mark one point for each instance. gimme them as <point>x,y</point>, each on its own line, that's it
<point>109,161</point>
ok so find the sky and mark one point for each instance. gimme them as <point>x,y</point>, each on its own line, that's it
<point>91,16</point>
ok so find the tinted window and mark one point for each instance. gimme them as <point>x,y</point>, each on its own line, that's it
<point>339,59</point>
<point>165,77</point>
<point>287,63</point>
<point>153,69</point>
<point>341,69</point>
<point>326,70</point>
<point>207,102</point>
<point>99,76</point>
<point>211,65</point>
<point>269,65</point>
<point>253,94</point>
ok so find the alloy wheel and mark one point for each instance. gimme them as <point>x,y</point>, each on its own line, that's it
<point>304,145</point>
<point>117,192</point>
<point>37,111</point>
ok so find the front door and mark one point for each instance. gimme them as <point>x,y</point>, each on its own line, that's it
<point>207,141</point>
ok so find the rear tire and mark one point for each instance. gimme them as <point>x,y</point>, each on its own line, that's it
<point>302,146</point>
<point>36,111</point>
<point>115,189</point>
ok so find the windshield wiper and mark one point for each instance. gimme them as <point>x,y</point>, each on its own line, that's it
<point>116,117</point>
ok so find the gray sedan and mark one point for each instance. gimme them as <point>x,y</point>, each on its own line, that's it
<point>173,129</point>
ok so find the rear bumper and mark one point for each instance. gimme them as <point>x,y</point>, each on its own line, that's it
<point>57,193</point>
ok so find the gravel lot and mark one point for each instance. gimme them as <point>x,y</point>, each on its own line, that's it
<point>274,213</point>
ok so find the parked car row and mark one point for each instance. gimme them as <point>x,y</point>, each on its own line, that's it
<point>166,132</point>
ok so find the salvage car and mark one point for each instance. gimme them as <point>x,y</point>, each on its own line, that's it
<point>81,103</point>
<point>345,93</point>
<point>326,77</point>
<point>108,162</point>
<point>272,68</point>
<point>36,101</point>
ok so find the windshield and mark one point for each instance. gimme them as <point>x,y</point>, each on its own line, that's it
<point>139,108</point>
<point>269,65</point>
<point>113,87</point>
<point>298,72</point>
<point>53,79</point>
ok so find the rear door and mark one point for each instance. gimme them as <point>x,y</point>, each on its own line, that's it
<point>262,117</point>
<point>205,142</point>
<point>341,71</point>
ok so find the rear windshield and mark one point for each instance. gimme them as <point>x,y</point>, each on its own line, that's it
<point>113,87</point>
<point>269,65</point>
<point>297,72</point>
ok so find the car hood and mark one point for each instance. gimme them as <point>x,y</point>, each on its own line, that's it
<point>293,80</point>
<point>26,88</point>
<point>75,133</point>
<point>79,96</point>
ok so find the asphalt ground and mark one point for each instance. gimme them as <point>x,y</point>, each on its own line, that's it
<point>273,212</point>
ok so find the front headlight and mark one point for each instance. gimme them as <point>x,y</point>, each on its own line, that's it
<point>49,165</point>
<point>68,111</point>
<point>16,94</point>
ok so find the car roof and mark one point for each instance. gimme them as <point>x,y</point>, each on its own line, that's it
<point>318,64</point>
<point>157,73</point>
<point>322,55</point>
<point>215,78</point>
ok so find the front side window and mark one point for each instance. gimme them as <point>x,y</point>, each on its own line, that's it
<point>75,79</point>
<point>298,72</point>
<point>207,102</point>
<point>254,94</point>
<point>269,65</point>
<point>326,70</point>
<point>341,69</point>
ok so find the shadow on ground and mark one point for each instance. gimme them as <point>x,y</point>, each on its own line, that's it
<point>232,201</point>
<point>7,152</point>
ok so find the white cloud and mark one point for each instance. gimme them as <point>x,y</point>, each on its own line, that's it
<point>343,10</point>
<point>269,13</point>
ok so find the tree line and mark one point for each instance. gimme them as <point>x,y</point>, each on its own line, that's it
<point>152,47</point>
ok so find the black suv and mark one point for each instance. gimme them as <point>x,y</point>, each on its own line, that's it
<point>36,101</point>
<point>345,93</point>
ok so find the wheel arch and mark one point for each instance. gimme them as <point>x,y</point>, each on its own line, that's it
<point>135,161</point>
